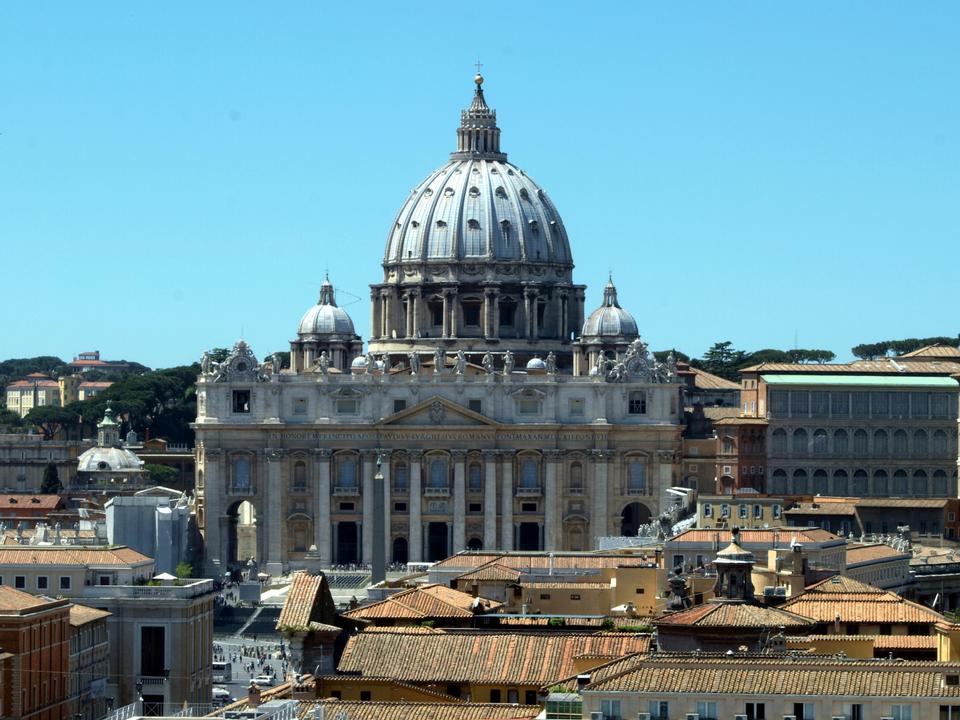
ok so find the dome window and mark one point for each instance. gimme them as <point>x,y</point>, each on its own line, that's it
<point>505,226</point>
<point>415,224</point>
<point>474,192</point>
<point>524,195</point>
<point>473,224</point>
<point>448,192</point>
<point>534,226</point>
<point>494,171</point>
<point>441,224</point>
<point>428,192</point>
<point>541,195</point>
<point>500,192</point>
<point>102,466</point>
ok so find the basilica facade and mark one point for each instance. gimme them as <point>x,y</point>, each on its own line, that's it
<point>499,414</point>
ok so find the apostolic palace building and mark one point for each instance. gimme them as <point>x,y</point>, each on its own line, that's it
<point>499,413</point>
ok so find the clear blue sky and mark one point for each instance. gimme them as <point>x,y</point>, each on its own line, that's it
<point>173,174</point>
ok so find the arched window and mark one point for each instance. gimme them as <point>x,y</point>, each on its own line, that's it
<point>860,483</point>
<point>637,477</point>
<point>778,483</point>
<point>840,442</point>
<point>900,443</point>
<point>529,474</point>
<point>880,446</point>
<point>820,441</point>
<point>438,473</point>
<point>881,483</point>
<point>799,441</point>
<point>241,475</point>
<point>940,446</point>
<point>900,483</point>
<point>347,471</point>
<point>840,483</point>
<point>779,441</point>
<point>576,478</point>
<point>920,443</point>
<point>401,479</point>
<point>920,485</point>
<point>474,478</point>
<point>299,476</point>
<point>799,482</point>
<point>939,483</point>
<point>860,443</point>
<point>820,482</point>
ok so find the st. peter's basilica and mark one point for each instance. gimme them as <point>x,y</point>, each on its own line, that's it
<point>499,414</point>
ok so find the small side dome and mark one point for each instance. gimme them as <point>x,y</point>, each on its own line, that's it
<point>536,364</point>
<point>325,320</point>
<point>359,365</point>
<point>610,321</point>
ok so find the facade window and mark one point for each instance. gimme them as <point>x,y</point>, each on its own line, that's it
<point>799,482</point>
<point>820,441</point>
<point>637,403</point>
<point>940,445</point>
<point>919,405</point>
<point>64,582</point>
<point>880,444</point>
<point>779,441</point>
<point>474,477</point>
<point>757,512</point>
<point>435,308</point>
<point>576,407</point>
<point>399,405</point>
<point>840,442</point>
<point>901,712</point>
<point>637,478</point>
<point>400,480</point>
<point>820,483</point>
<point>861,404</point>
<point>900,404</point>
<point>347,472</point>
<point>742,511</point>
<point>528,406</point>
<point>920,443</point>
<point>779,403</point>
<point>940,405</point>
<point>611,709</point>
<point>241,475</point>
<point>900,483</point>
<point>920,485</point>
<point>799,441</point>
<point>900,443</point>
<point>507,312</point>
<point>724,510</point>
<point>819,403</point>
<point>438,473</point>
<point>659,709</point>
<point>299,406</point>
<point>707,710</point>
<point>777,511</point>
<point>471,314</point>
<point>804,710</point>
<point>840,483</point>
<point>43,582</point>
<point>529,474</point>
<point>708,510</point>
<point>778,483</point>
<point>576,478</point>
<point>799,403</point>
<point>347,406</point>
<point>860,442</point>
<point>940,484</point>
<point>241,401</point>
<point>880,404</point>
<point>475,405</point>
<point>727,445</point>
<point>299,476</point>
<point>881,483</point>
<point>839,404</point>
<point>20,582</point>
<point>860,483</point>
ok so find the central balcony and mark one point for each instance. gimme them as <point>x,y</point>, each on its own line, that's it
<point>529,491</point>
<point>436,491</point>
<point>346,490</point>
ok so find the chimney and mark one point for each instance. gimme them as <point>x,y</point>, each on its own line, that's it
<point>253,695</point>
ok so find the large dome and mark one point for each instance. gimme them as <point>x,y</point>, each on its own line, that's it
<point>108,459</point>
<point>325,320</point>
<point>478,207</point>
<point>610,321</point>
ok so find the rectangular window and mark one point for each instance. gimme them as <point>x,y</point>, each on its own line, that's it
<point>152,651</point>
<point>471,314</point>
<point>64,582</point>
<point>611,709</point>
<point>475,405</point>
<point>707,710</point>
<point>708,511</point>
<point>544,596</point>
<point>241,401</point>
<point>940,405</point>
<point>757,512</point>
<point>103,580</point>
<point>637,404</point>
<point>528,507</point>
<point>495,695</point>
<point>659,709</point>
<point>853,711</point>
<point>880,404</point>
<point>724,511</point>
<point>474,508</point>
<point>900,404</point>
<point>528,406</point>
<point>799,403</point>
<point>840,404</point>
<point>400,507</point>
<point>43,582</point>
<point>574,596</point>
<point>756,711</point>
<point>819,403</point>
<point>919,405</point>
<point>20,582</point>
<point>861,404</point>
<point>299,406</point>
<point>347,406</point>
<point>779,403</point>
<point>347,507</point>
<point>742,511</point>
<point>804,711</point>
<point>901,712</point>
<point>399,405</point>
<point>777,511</point>
<point>576,407</point>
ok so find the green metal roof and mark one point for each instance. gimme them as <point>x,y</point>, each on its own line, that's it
<point>905,381</point>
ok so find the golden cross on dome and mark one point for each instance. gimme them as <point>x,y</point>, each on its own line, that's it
<point>479,65</point>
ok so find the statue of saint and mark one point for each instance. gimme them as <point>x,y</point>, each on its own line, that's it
<point>551,363</point>
<point>205,363</point>
<point>413,358</point>
<point>508,363</point>
<point>324,362</point>
<point>439,360</point>
<point>488,363</point>
<point>460,366</point>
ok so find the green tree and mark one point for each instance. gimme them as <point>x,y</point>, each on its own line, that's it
<point>183,570</point>
<point>722,360</point>
<point>10,420</point>
<point>808,356</point>
<point>661,355</point>
<point>162,474</point>
<point>219,354</point>
<point>51,484</point>
<point>872,351</point>
<point>50,419</point>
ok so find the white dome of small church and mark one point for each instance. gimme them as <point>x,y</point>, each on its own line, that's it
<point>610,321</point>
<point>109,456</point>
<point>326,319</point>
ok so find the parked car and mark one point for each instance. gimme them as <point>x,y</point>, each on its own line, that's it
<point>222,695</point>
<point>263,680</point>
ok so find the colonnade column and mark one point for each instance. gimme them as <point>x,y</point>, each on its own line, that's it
<point>387,507</point>
<point>274,500</point>
<point>506,508</point>
<point>490,500</point>
<point>376,316</point>
<point>446,314</point>
<point>415,541</point>
<point>454,329</point>
<point>415,315</point>
<point>214,489</point>
<point>564,330</point>
<point>495,330</point>
<point>366,503</point>
<point>527,312</point>
<point>459,500</point>
<point>408,314</point>
<point>598,521</point>
<point>321,503</point>
<point>388,310</point>
<point>551,499</point>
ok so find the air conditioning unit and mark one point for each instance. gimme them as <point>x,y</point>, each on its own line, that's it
<point>596,716</point>
<point>643,716</point>
<point>789,717</point>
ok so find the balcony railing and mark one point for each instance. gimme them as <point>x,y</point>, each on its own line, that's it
<point>436,491</point>
<point>529,491</point>
<point>346,490</point>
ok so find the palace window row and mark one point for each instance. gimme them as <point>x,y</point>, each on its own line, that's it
<point>861,404</point>
<point>915,442</point>
<point>861,483</point>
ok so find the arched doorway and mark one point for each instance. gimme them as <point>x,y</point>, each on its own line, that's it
<point>348,543</point>
<point>400,554</point>
<point>529,536</point>
<point>437,541</point>
<point>241,534</point>
<point>475,544</point>
<point>633,516</point>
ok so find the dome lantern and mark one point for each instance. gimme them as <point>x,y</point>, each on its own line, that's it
<point>478,135</point>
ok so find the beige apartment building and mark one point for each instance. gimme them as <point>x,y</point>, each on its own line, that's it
<point>35,390</point>
<point>89,662</point>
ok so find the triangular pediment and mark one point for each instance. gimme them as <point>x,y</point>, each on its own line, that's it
<point>438,411</point>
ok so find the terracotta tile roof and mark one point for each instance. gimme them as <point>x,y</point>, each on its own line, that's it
<point>861,367</point>
<point>403,630</point>
<point>811,677</point>
<point>601,672</point>
<point>811,508</point>
<point>734,421</point>
<point>880,642</point>
<point>487,657</point>
<point>75,556</point>
<point>733,615</point>
<point>717,413</point>
<point>422,602</point>
<point>751,537</point>
<point>12,599</point>
<point>572,622</point>
<point>541,560</point>
<point>94,384</point>
<point>34,383</point>
<point>857,554</point>
<point>81,615</point>
<point>567,585</point>
<point>299,607</point>
<point>936,350</point>
<point>708,381</point>
<point>29,502</point>
<point>853,601</point>
<point>368,710</point>
<point>902,502</point>
<point>493,571</point>
<point>411,692</point>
